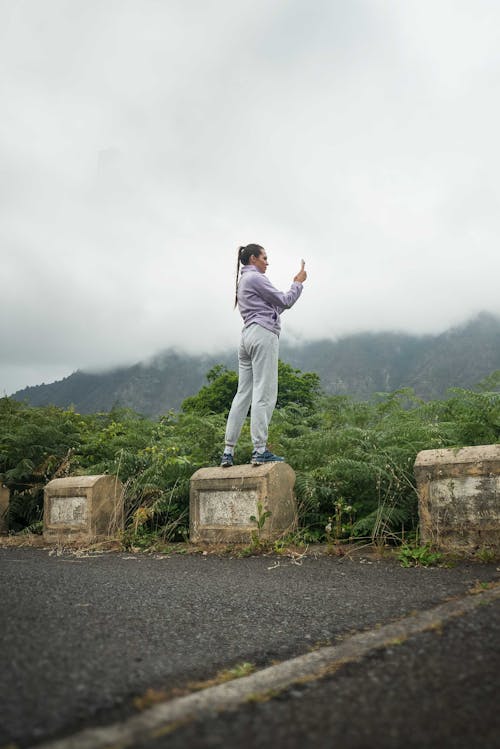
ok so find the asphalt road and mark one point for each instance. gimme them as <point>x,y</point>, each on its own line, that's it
<point>438,690</point>
<point>83,636</point>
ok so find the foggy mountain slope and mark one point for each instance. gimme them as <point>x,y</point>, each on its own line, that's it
<point>150,388</point>
<point>361,364</point>
<point>356,365</point>
<point>461,356</point>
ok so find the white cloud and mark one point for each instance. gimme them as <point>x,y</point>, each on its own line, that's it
<point>142,142</point>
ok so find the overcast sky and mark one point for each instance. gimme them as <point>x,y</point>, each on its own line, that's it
<point>142,141</point>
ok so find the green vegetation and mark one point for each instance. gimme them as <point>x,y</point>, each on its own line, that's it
<point>354,460</point>
<point>418,556</point>
<point>295,387</point>
<point>261,518</point>
<point>216,397</point>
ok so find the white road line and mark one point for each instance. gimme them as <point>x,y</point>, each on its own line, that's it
<point>167,716</point>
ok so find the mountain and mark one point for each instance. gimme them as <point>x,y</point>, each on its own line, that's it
<point>150,388</point>
<point>366,363</point>
<point>356,365</point>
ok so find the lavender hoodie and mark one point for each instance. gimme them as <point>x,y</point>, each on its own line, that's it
<point>259,302</point>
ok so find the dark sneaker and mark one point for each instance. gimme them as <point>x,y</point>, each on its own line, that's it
<point>266,457</point>
<point>227,460</point>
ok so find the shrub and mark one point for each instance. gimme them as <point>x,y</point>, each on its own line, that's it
<point>354,461</point>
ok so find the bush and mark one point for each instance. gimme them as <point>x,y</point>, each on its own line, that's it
<point>294,387</point>
<point>36,444</point>
<point>354,461</point>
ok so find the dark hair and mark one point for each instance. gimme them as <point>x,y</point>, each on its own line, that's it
<point>244,255</point>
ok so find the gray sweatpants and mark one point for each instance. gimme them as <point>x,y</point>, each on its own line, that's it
<point>257,385</point>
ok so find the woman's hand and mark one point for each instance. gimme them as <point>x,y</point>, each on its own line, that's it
<point>301,275</point>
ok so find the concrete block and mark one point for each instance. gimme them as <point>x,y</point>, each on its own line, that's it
<point>222,500</point>
<point>459,497</point>
<point>4,508</point>
<point>82,508</point>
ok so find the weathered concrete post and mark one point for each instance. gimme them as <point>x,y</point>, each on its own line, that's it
<point>82,508</point>
<point>222,500</point>
<point>4,508</point>
<point>459,497</point>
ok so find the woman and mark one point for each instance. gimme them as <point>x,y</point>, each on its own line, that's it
<point>260,306</point>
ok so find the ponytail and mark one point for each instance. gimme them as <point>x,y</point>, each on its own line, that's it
<point>240,250</point>
<point>244,255</point>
